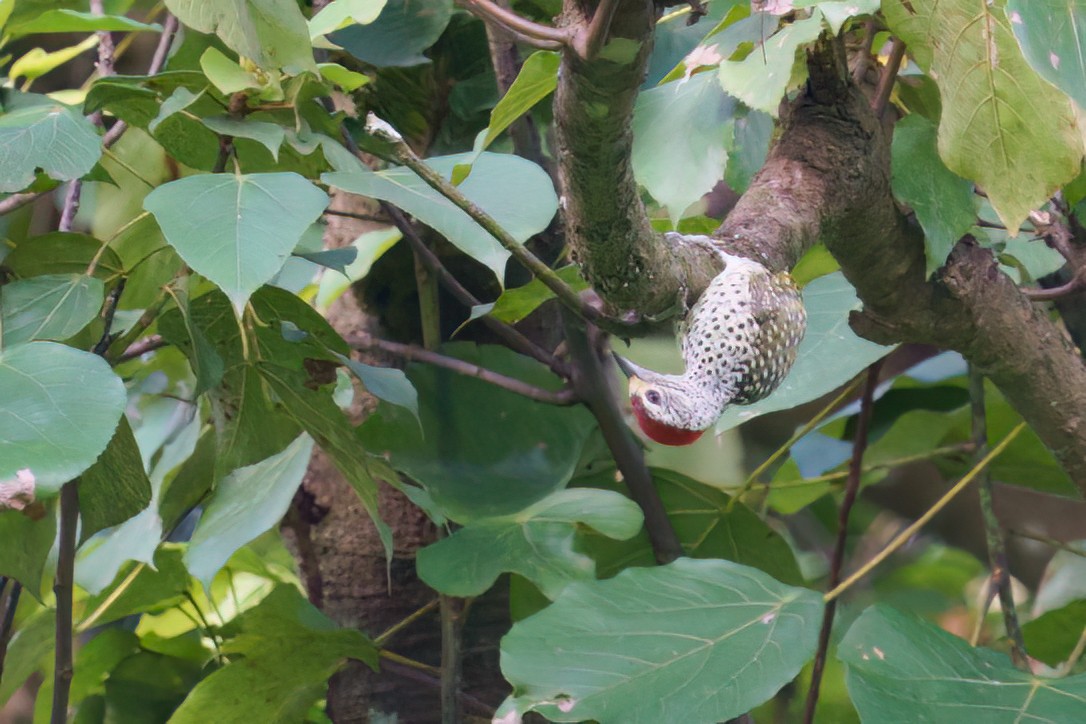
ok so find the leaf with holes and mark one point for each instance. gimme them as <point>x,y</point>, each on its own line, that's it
<point>1052,35</point>
<point>717,637</point>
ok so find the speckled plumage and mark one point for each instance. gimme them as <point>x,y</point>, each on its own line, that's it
<point>739,341</point>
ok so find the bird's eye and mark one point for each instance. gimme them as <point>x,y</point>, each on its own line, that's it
<point>652,397</point>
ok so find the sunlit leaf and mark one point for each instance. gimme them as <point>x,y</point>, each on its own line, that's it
<point>536,80</point>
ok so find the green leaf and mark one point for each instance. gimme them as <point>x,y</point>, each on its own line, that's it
<point>536,543</point>
<point>385,383</point>
<point>72,21</point>
<point>225,73</point>
<point>325,422</point>
<point>1051,637</point>
<point>236,230</point>
<point>140,588</point>
<point>52,307</point>
<point>179,100</point>
<point>515,304</point>
<point>271,33</point>
<point>74,400</point>
<point>537,79</point>
<point>943,201</point>
<point>400,33</point>
<point>748,149</point>
<point>477,439</point>
<point>115,488</point>
<point>829,355</point>
<point>348,80</point>
<point>1002,126</point>
<point>289,650</point>
<point>340,13</point>
<point>270,135</point>
<point>246,503</point>
<point>62,252</point>
<point>38,132</point>
<point>24,549</point>
<point>206,362</point>
<point>36,62</point>
<point>97,658</point>
<point>1051,35</point>
<point>838,11</point>
<point>715,637</point>
<point>706,527</point>
<point>680,168</point>
<point>369,247</point>
<point>761,79</point>
<point>29,647</point>
<point>904,669</point>
<point>517,193</point>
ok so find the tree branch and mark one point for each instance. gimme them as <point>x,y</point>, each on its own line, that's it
<point>565,396</point>
<point>530,32</point>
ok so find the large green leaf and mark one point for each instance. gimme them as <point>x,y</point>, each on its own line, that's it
<point>1052,34</point>
<point>904,669</point>
<point>246,503</point>
<point>339,13</point>
<point>116,487</point>
<point>62,252</point>
<point>288,651</point>
<point>761,79</point>
<point>60,408</point>
<point>483,451</point>
<point>1002,125</point>
<point>943,201</point>
<point>696,641</point>
<point>54,307</point>
<point>39,132</point>
<point>271,33</point>
<point>679,168</point>
<point>517,193</point>
<point>1051,637</point>
<point>141,588</point>
<point>829,355</point>
<point>236,230</point>
<point>536,543</point>
<point>400,33</point>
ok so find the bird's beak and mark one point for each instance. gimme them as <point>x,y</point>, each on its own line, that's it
<point>629,368</point>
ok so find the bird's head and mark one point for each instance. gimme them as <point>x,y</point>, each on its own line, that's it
<point>667,408</point>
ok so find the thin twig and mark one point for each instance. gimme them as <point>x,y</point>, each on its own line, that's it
<point>480,706</point>
<point>507,333</point>
<point>889,74</point>
<point>522,27</point>
<point>903,537</point>
<point>403,154</point>
<point>452,671</point>
<point>852,487</point>
<point>142,347</point>
<point>1058,544</point>
<point>10,589</point>
<point>945,451</point>
<point>864,59</point>
<point>383,638</point>
<point>1036,294</point>
<point>354,215</point>
<point>811,424</point>
<point>1000,580</point>
<point>1076,654</point>
<point>591,381</point>
<point>565,396</point>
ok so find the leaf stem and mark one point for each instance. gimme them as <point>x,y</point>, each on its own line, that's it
<point>62,587</point>
<point>384,637</point>
<point>852,487</point>
<point>403,154</point>
<point>903,537</point>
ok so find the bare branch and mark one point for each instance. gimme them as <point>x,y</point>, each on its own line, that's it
<point>565,396</point>
<point>531,32</point>
<point>889,74</point>
<point>589,39</point>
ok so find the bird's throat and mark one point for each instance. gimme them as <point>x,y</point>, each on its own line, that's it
<point>659,432</point>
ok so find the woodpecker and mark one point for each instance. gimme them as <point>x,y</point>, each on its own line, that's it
<point>738,342</point>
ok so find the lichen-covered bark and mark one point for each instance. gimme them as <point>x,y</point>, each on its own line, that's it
<point>827,179</point>
<point>605,220</point>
